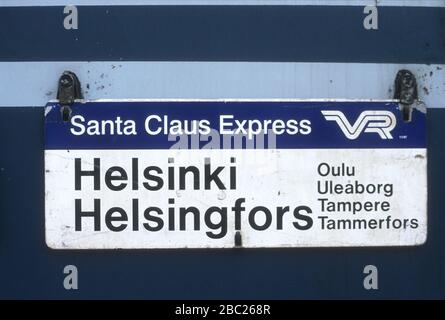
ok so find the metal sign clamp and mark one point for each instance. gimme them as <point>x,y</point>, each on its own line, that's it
<point>238,239</point>
<point>68,91</point>
<point>406,92</point>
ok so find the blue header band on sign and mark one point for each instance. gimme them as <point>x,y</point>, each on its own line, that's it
<point>298,124</point>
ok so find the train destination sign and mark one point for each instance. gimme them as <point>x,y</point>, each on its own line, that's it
<point>234,173</point>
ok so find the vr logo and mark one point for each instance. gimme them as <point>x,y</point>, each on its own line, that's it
<point>380,122</point>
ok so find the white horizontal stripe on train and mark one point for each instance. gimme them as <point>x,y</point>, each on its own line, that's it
<point>34,83</point>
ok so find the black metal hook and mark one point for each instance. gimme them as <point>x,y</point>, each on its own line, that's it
<point>68,91</point>
<point>406,92</point>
